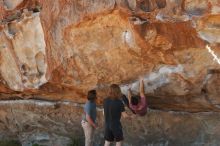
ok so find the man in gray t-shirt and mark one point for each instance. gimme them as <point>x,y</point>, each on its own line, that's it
<point>89,118</point>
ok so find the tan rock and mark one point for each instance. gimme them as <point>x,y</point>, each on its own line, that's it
<point>196,7</point>
<point>26,50</point>
<point>11,4</point>
<point>59,49</point>
<point>74,46</point>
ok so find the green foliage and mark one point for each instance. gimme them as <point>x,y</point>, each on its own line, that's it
<point>75,142</point>
<point>9,143</point>
<point>35,144</point>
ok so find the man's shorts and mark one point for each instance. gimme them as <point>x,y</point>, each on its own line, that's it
<point>113,134</point>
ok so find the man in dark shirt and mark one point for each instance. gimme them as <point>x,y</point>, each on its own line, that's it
<point>113,109</point>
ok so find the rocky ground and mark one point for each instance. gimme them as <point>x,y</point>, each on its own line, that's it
<point>58,124</point>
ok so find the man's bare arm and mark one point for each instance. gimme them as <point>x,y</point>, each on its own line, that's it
<point>90,121</point>
<point>124,115</point>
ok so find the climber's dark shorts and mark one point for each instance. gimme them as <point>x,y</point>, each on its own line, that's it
<point>113,134</point>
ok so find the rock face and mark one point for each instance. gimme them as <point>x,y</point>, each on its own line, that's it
<point>23,62</point>
<point>59,49</point>
<point>55,123</point>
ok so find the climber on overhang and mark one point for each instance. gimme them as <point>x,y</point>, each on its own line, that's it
<point>138,103</point>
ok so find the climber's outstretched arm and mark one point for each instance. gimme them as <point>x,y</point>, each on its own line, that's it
<point>129,95</point>
<point>142,88</point>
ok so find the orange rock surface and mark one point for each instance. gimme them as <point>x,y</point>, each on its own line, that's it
<point>59,49</point>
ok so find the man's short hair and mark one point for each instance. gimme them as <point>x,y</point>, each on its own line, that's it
<point>91,96</point>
